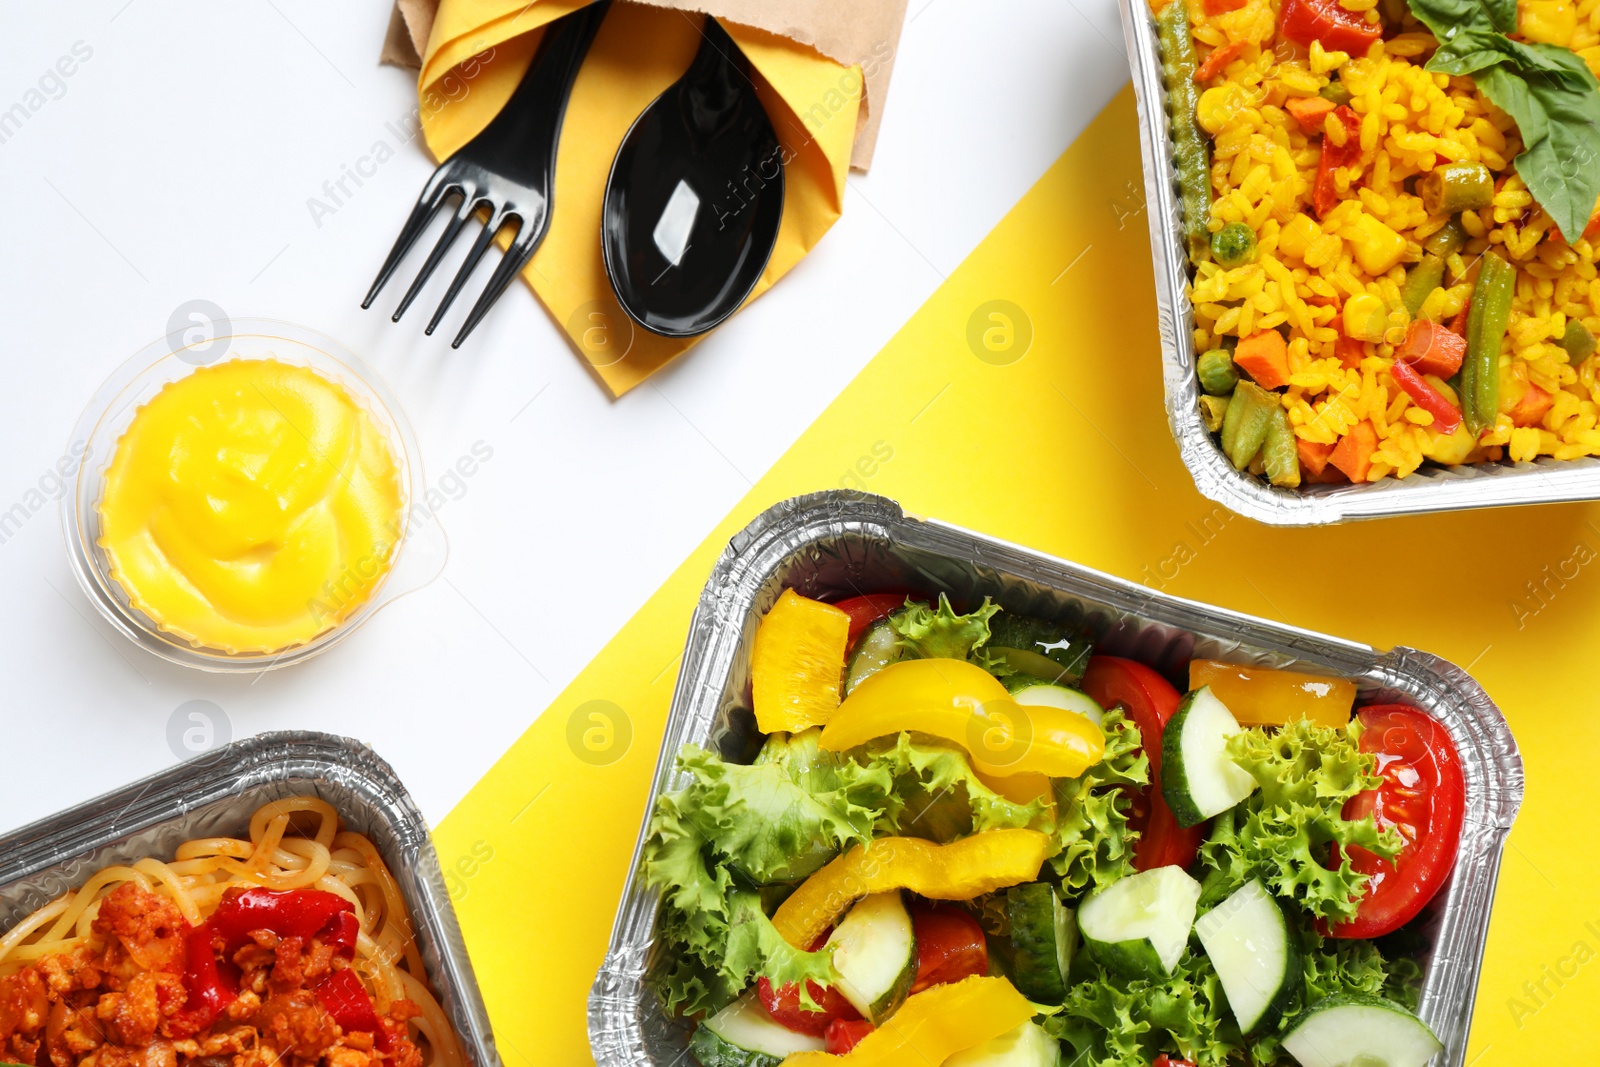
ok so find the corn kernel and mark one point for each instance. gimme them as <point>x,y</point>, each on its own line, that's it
<point>1377,248</point>
<point>1365,317</point>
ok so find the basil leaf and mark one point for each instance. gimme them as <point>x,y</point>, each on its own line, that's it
<point>1449,17</point>
<point>1548,90</point>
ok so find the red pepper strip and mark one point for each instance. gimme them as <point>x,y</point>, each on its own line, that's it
<point>1324,197</point>
<point>1458,325</point>
<point>302,913</point>
<point>211,984</point>
<point>1339,30</point>
<point>1446,416</point>
<point>348,1001</point>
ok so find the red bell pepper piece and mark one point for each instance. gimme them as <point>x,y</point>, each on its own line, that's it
<point>1432,349</point>
<point>213,984</point>
<point>1324,197</point>
<point>1304,21</point>
<point>348,1001</point>
<point>1218,61</point>
<point>1446,416</point>
<point>844,1034</point>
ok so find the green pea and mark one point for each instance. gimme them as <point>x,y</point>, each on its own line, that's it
<point>1578,342</point>
<point>1216,372</point>
<point>1234,245</point>
<point>1336,92</point>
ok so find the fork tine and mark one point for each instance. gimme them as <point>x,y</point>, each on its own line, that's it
<point>479,247</point>
<point>432,195</point>
<point>469,205</point>
<point>516,257</point>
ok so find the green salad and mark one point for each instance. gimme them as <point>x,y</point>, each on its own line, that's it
<point>966,840</point>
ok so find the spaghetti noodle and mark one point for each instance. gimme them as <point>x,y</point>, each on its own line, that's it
<point>233,948</point>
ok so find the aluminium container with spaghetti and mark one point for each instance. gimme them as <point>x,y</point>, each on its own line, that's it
<point>213,795</point>
<point>841,542</point>
<point>1429,489</point>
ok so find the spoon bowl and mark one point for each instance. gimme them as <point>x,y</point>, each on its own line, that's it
<point>695,196</point>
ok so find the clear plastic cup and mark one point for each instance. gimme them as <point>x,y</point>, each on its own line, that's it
<point>420,551</point>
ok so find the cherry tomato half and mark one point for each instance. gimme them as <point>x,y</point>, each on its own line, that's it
<point>844,1034</point>
<point>1165,1060</point>
<point>783,1004</point>
<point>868,609</point>
<point>950,946</point>
<point>1339,30</point>
<point>1149,701</point>
<point>1423,795</point>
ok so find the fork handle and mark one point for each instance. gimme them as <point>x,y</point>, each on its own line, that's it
<point>530,122</point>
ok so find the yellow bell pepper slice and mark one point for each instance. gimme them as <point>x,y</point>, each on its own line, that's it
<point>960,870</point>
<point>1262,696</point>
<point>933,1025</point>
<point>962,702</point>
<point>797,663</point>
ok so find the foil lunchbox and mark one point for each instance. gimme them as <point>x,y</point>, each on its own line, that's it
<point>214,794</point>
<point>843,542</point>
<point>1429,489</point>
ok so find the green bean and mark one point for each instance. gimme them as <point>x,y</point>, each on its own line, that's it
<point>1578,342</point>
<point>1421,280</point>
<point>1234,245</point>
<point>1487,317</point>
<point>1336,92</point>
<point>1447,239</point>
<point>1244,427</point>
<point>1213,409</point>
<point>1455,187</point>
<point>1279,452</point>
<point>1191,151</point>
<point>1217,373</point>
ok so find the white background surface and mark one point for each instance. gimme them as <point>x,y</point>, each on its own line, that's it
<point>176,164</point>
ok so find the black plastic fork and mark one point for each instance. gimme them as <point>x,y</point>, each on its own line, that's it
<point>508,169</point>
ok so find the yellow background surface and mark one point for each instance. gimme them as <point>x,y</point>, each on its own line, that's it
<point>1066,449</point>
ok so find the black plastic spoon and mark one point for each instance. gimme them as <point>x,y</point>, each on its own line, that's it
<point>695,196</point>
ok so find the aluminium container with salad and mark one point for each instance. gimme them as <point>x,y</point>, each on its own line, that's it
<point>972,838</point>
<point>1392,242</point>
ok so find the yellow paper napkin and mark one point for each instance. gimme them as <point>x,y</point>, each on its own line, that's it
<point>477,53</point>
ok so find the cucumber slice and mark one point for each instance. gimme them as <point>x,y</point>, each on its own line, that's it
<point>1198,779</point>
<point>1068,649</point>
<point>1249,942</point>
<point>1356,1030</point>
<point>875,953</point>
<point>1025,1046</point>
<point>1138,926</point>
<point>744,1035</point>
<point>1043,938</point>
<point>877,648</point>
<point>1044,694</point>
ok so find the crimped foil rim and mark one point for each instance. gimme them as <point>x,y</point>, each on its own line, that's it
<point>1430,489</point>
<point>620,998</point>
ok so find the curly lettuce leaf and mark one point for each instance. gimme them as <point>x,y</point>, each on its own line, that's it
<point>1108,1020</point>
<point>1333,965</point>
<point>939,633</point>
<point>937,794</point>
<point>1096,846</point>
<point>776,820</point>
<point>1284,832</point>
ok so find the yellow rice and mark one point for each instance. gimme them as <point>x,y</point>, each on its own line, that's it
<point>1306,270</point>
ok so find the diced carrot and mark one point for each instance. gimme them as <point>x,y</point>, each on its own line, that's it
<point>1591,232</point>
<point>1432,349</point>
<point>1265,358</point>
<point>1218,60</point>
<point>1219,7</point>
<point>1313,456</point>
<point>1353,453</point>
<point>1309,111</point>
<point>1330,475</point>
<point>1531,407</point>
<point>1350,351</point>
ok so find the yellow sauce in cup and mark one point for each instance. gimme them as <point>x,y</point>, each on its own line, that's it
<point>251,506</point>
